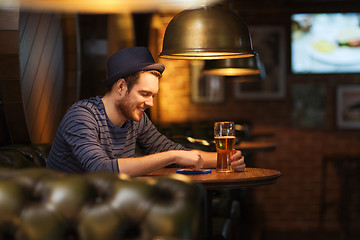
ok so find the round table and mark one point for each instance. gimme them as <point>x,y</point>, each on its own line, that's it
<point>214,180</point>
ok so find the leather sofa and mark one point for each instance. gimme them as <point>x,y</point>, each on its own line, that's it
<point>42,204</point>
<point>39,203</point>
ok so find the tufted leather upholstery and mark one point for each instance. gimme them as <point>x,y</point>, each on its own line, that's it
<point>24,155</point>
<point>41,204</point>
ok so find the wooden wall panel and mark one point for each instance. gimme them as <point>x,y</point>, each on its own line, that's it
<point>56,102</point>
<point>31,76</point>
<point>9,42</point>
<point>12,119</point>
<point>9,66</point>
<point>71,88</point>
<point>16,122</point>
<point>23,19</point>
<point>42,74</point>
<point>28,53</point>
<point>10,90</point>
<point>40,59</point>
<point>47,93</point>
<point>9,18</point>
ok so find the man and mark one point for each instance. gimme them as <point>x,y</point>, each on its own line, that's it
<point>100,134</point>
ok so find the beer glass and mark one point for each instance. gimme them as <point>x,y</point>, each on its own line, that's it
<point>224,134</point>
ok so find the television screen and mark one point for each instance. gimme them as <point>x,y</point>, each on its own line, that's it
<point>325,43</point>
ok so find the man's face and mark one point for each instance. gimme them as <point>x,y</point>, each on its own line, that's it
<point>135,102</point>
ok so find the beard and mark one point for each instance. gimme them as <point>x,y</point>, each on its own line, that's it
<point>128,110</point>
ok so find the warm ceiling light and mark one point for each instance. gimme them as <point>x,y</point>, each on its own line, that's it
<point>207,33</point>
<point>234,66</point>
<point>104,6</point>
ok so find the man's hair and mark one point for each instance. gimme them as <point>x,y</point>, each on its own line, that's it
<point>132,79</point>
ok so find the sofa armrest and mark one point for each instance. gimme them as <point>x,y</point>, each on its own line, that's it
<point>43,204</point>
<point>24,156</point>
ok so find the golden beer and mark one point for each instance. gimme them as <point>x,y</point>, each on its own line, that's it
<point>224,147</point>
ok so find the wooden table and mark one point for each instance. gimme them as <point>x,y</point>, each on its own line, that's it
<point>214,181</point>
<point>255,146</point>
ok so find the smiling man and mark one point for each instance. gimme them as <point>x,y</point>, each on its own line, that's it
<point>101,133</point>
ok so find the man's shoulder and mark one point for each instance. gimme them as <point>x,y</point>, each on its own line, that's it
<point>89,102</point>
<point>86,111</point>
<point>93,104</point>
<point>91,108</point>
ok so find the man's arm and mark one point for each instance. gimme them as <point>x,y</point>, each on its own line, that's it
<point>209,159</point>
<point>194,159</point>
<point>145,164</point>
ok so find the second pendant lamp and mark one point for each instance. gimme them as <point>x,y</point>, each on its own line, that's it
<point>234,66</point>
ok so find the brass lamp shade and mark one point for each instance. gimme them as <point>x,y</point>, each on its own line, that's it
<point>207,33</point>
<point>233,67</point>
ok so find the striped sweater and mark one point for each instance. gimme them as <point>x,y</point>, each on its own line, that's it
<point>86,140</point>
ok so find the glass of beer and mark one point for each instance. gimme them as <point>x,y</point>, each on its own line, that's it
<point>224,134</point>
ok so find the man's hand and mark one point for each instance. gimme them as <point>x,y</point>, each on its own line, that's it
<point>190,159</point>
<point>238,162</point>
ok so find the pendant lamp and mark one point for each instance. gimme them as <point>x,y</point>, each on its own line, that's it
<point>209,32</point>
<point>233,66</point>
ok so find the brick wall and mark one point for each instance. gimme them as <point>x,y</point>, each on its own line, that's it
<point>294,202</point>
